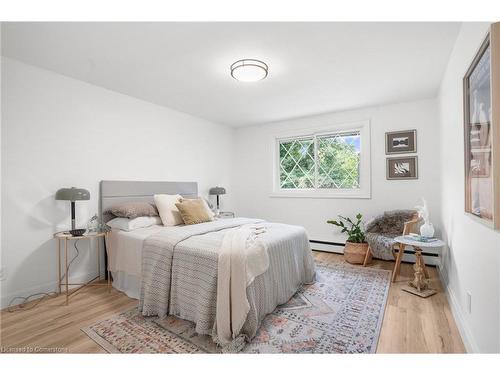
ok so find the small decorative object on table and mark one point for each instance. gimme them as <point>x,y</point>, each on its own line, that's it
<point>356,250</point>
<point>419,238</point>
<point>420,284</point>
<point>77,232</point>
<point>427,229</point>
<point>93,223</point>
<point>226,215</point>
<point>97,226</point>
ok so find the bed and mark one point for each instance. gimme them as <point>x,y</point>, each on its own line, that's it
<point>174,270</point>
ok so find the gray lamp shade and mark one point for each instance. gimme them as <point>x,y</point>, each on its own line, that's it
<point>217,191</point>
<point>72,194</point>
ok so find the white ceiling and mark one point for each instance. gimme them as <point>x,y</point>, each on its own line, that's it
<point>313,67</point>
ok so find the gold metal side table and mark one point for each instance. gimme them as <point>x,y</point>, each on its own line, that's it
<point>66,237</point>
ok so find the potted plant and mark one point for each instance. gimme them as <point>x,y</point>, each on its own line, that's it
<point>355,247</point>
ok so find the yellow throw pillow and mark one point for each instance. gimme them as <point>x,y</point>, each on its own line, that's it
<point>193,211</point>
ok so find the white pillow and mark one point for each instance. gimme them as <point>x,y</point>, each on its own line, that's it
<point>169,214</point>
<point>209,210</point>
<point>127,224</point>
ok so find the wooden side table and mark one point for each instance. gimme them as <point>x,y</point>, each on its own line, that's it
<point>419,285</point>
<point>65,237</point>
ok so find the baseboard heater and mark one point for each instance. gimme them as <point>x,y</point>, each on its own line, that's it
<point>430,258</point>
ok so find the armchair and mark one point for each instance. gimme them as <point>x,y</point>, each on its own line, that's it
<point>381,231</point>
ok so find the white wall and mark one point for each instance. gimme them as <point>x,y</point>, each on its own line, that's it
<point>471,262</point>
<point>60,132</point>
<point>1,265</point>
<point>254,162</point>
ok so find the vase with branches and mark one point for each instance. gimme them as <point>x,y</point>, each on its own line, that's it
<point>427,229</point>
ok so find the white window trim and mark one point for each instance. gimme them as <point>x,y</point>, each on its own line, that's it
<point>364,190</point>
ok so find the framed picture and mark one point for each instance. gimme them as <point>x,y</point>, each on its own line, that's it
<point>481,133</point>
<point>401,142</point>
<point>404,168</point>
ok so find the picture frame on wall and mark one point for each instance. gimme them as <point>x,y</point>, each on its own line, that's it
<point>401,142</point>
<point>402,168</point>
<point>481,85</point>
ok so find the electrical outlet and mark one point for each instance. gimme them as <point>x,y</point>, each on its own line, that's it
<point>3,274</point>
<point>469,302</point>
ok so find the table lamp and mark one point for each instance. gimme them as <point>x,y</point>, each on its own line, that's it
<point>73,194</point>
<point>217,191</point>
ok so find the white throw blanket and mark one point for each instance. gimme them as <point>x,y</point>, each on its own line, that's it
<point>242,257</point>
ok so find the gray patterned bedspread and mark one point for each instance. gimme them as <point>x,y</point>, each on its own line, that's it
<point>179,272</point>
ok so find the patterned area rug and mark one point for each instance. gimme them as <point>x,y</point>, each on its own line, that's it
<point>341,312</point>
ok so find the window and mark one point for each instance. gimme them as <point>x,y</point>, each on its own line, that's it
<point>297,165</point>
<point>326,163</point>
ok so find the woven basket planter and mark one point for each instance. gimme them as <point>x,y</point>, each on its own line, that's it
<point>355,253</point>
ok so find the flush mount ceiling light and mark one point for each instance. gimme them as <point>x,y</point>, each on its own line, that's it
<point>249,70</point>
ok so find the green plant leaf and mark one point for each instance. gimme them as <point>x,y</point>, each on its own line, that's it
<point>354,230</point>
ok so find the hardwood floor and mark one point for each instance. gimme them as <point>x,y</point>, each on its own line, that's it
<point>411,324</point>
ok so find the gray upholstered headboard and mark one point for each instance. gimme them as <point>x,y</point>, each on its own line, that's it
<point>114,192</point>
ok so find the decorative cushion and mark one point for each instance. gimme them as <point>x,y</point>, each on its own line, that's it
<point>194,211</point>
<point>131,210</point>
<point>165,203</point>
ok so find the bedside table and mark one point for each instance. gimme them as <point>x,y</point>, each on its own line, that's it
<point>420,284</point>
<point>225,215</point>
<point>66,237</point>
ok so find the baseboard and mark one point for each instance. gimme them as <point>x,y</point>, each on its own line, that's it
<point>327,247</point>
<point>466,334</point>
<point>49,287</point>
<point>333,247</point>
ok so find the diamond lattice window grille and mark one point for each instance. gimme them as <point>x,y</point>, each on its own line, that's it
<point>338,161</point>
<point>297,167</point>
<point>322,162</point>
